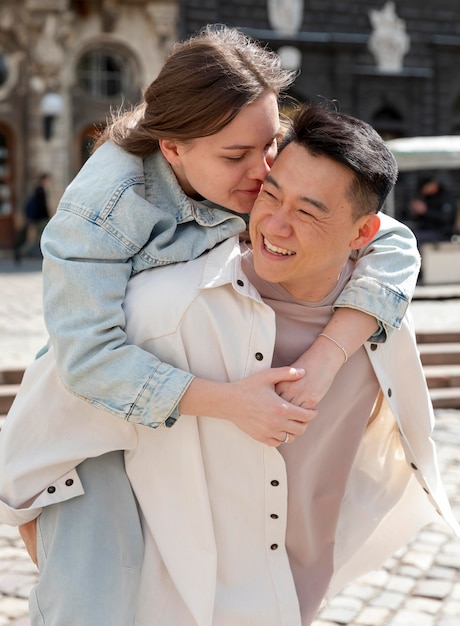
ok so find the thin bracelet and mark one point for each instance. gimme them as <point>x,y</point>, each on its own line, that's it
<point>339,345</point>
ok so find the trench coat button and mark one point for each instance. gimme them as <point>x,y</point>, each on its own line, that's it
<point>69,482</point>
<point>414,466</point>
<point>51,489</point>
<point>275,483</point>
<point>274,516</point>
<point>426,490</point>
<point>259,356</point>
<point>374,347</point>
<point>240,283</point>
<point>390,393</point>
<point>274,546</point>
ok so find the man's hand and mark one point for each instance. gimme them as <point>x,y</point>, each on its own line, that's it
<point>28,533</point>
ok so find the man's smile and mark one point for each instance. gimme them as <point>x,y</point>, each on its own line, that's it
<point>276,250</point>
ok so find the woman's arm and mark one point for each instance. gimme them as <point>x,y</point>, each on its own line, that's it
<point>384,279</point>
<point>85,275</point>
<point>252,404</point>
<point>117,217</point>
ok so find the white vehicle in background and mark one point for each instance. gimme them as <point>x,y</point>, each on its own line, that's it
<point>440,261</point>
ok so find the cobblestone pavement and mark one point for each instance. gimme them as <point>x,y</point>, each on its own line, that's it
<point>418,586</point>
<point>22,331</point>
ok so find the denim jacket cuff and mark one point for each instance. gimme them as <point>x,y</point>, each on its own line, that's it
<point>387,306</point>
<point>163,391</point>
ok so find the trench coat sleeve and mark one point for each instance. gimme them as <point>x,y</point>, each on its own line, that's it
<point>37,451</point>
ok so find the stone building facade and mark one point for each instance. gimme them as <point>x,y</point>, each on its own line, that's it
<point>393,64</point>
<point>65,63</point>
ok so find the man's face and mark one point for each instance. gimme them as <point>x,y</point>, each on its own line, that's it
<point>301,226</point>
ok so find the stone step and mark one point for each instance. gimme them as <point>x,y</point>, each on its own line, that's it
<point>437,336</point>
<point>446,398</point>
<point>10,380</point>
<point>11,376</point>
<point>7,395</point>
<point>440,353</point>
<point>437,292</point>
<point>439,376</point>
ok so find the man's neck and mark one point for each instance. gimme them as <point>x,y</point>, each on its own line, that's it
<point>312,293</point>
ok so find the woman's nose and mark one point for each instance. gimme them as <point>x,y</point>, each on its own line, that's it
<point>261,166</point>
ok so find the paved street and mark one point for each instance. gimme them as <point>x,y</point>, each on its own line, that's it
<point>419,586</point>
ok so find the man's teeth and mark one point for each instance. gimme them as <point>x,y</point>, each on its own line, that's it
<point>277,250</point>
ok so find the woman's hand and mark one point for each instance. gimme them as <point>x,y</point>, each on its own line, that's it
<point>252,404</point>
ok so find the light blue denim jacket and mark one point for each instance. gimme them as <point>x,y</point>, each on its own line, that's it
<point>121,215</point>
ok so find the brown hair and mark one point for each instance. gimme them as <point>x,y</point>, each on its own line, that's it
<point>202,86</point>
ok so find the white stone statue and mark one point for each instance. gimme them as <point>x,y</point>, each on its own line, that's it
<point>389,41</point>
<point>285,16</point>
<point>48,52</point>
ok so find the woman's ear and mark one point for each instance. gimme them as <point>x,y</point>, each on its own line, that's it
<point>170,150</point>
<point>367,226</point>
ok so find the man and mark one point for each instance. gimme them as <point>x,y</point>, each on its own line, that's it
<point>238,532</point>
<point>36,214</point>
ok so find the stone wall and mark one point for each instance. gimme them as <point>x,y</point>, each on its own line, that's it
<point>58,61</point>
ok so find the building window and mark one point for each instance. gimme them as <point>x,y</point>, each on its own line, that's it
<point>101,74</point>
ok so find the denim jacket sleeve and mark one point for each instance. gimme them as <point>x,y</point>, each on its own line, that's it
<point>384,279</point>
<point>91,247</point>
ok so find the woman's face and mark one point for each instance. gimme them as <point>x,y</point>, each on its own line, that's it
<point>229,167</point>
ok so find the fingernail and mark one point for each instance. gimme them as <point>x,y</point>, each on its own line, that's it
<point>296,370</point>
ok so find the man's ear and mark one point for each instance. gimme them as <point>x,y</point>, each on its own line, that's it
<point>170,150</point>
<point>367,227</point>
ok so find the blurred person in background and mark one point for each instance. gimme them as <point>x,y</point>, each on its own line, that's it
<point>36,215</point>
<point>433,211</point>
